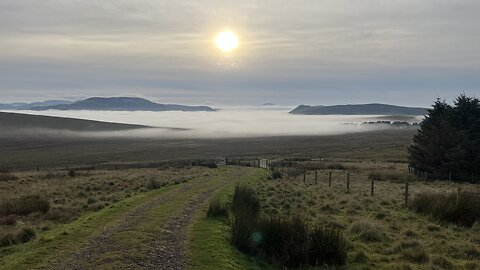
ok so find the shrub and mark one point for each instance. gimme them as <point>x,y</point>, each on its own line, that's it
<point>22,236</point>
<point>217,209</point>
<point>276,175</point>
<point>25,205</point>
<point>327,246</point>
<point>464,211</point>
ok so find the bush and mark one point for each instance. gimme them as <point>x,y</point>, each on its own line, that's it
<point>276,175</point>
<point>327,247</point>
<point>464,211</point>
<point>217,209</point>
<point>22,236</point>
<point>25,205</point>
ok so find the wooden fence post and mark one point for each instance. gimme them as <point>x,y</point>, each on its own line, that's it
<point>304,176</point>
<point>406,193</point>
<point>348,181</point>
<point>373,187</point>
<point>316,177</point>
<point>330,179</point>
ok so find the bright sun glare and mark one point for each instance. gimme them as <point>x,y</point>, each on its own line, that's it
<point>226,41</point>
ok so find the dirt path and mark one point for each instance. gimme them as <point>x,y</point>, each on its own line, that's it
<point>152,235</point>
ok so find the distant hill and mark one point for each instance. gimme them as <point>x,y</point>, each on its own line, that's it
<point>29,106</point>
<point>122,104</point>
<point>13,121</point>
<point>359,109</point>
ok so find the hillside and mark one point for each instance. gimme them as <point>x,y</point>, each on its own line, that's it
<point>122,104</point>
<point>28,106</point>
<point>12,121</point>
<point>359,109</point>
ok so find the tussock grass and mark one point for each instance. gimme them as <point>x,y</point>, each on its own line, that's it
<point>390,175</point>
<point>464,211</point>
<point>25,205</point>
<point>276,175</point>
<point>327,246</point>
<point>154,184</point>
<point>245,210</point>
<point>283,241</point>
<point>22,236</point>
<point>217,209</point>
<point>367,231</point>
<point>7,176</point>
<point>287,242</point>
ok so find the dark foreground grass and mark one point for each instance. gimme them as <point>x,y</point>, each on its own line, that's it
<point>24,205</point>
<point>22,236</point>
<point>210,246</point>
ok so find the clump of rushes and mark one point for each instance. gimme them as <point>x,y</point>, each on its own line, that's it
<point>285,242</point>
<point>463,211</point>
<point>22,236</point>
<point>217,209</point>
<point>24,205</point>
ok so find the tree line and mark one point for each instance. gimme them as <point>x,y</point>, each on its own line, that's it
<point>447,144</point>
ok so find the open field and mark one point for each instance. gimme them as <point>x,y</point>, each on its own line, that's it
<point>383,232</point>
<point>143,218</point>
<point>31,152</point>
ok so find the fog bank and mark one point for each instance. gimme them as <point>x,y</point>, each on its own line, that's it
<point>226,123</point>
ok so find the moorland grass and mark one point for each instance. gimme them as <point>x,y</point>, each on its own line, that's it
<point>24,205</point>
<point>463,210</point>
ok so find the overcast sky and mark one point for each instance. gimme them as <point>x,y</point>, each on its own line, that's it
<point>305,51</point>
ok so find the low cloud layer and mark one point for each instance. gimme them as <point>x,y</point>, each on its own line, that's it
<point>227,123</point>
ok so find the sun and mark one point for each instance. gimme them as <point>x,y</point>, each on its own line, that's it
<point>227,41</point>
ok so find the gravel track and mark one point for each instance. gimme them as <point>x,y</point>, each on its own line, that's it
<point>167,247</point>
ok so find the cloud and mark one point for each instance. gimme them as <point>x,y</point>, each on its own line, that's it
<point>231,122</point>
<point>153,48</point>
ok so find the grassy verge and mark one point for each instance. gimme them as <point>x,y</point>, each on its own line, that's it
<point>68,237</point>
<point>210,246</point>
